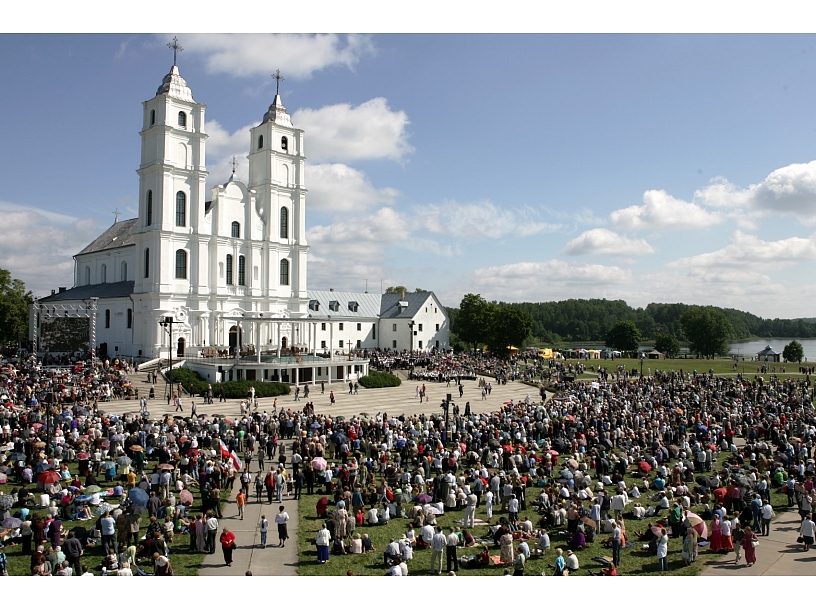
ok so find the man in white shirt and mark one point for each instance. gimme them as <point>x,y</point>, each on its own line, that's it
<point>438,543</point>
<point>125,570</point>
<point>450,550</point>
<point>572,562</point>
<point>767,513</point>
<point>392,552</point>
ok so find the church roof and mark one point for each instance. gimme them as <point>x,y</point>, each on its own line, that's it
<point>175,86</point>
<point>119,235</point>
<point>103,291</point>
<point>277,114</point>
<point>324,303</point>
<point>395,306</point>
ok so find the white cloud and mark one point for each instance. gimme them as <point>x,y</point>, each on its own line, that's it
<point>479,220</point>
<point>37,246</point>
<point>604,241</point>
<point>222,146</point>
<point>749,250</point>
<point>790,189</point>
<point>343,132</point>
<point>549,280</point>
<point>335,187</point>
<point>344,254</point>
<point>298,56</point>
<point>662,211</point>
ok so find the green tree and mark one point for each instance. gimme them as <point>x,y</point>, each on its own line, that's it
<point>474,320</point>
<point>510,326</point>
<point>624,336</point>
<point>668,344</point>
<point>793,352</point>
<point>14,305</point>
<point>707,330</point>
<point>395,290</point>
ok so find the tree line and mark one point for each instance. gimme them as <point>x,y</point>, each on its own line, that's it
<point>14,305</point>
<point>707,330</point>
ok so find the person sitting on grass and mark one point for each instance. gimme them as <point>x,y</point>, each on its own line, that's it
<point>368,546</point>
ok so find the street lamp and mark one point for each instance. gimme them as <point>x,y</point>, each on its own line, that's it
<point>167,324</point>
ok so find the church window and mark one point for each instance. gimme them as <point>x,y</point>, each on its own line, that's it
<point>284,143</point>
<point>284,272</point>
<point>341,343</point>
<point>147,262</point>
<point>420,328</point>
<point>181,264</point>
<point>181,209</point>
<point>322,326</point>
<point>229,269</point>
<point>182,119</point>
<point>236,229</point>
<point>107,318</point>
<point>149,208</point>
<point>241,271</point>
<point>359,326</point>
<point>130,318</point>
<point>152,118</point>
<point>340,326</point>
<point>124,271</point>
<point>284,223</point>
<point>260,142</point>
<point>87,275</point>
<point>103,274</point>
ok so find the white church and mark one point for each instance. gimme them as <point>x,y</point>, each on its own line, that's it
<point>228,269</point>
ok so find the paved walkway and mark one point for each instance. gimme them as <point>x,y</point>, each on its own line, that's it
<point>271,561</point>
<point>777,554</point>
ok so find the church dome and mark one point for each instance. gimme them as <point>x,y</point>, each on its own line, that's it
<point>277,114</point>
<point>175,86</point>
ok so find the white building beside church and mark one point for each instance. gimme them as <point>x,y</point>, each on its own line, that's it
<point>230,269</point>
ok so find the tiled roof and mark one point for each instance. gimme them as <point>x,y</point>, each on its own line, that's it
<point>119,234</point>
<point>103,291</point>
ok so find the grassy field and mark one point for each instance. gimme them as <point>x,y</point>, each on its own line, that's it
<point>185,563</point>
<point>634,560</point>
<point>719,366</point>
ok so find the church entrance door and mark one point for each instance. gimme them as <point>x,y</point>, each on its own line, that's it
<point>181,345</point>
<point>234,338</point>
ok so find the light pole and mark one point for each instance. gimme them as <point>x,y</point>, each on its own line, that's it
<point>167,324</point>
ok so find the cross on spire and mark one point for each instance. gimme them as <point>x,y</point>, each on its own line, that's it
<point>177,48</point>
<point>234,164</point>
<point>116,213</point>
<point>277,76</point>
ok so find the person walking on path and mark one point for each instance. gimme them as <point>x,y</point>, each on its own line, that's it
<point>738,535</point>
<point>281,518</point>
<point>749,544</point>
<point>807,531</point>
<point>240,500</point>
<point>227,545</point>
<point>263,528</point>
<point>259,486</point>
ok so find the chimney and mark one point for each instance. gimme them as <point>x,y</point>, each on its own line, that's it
<point>53,292</point>
<point>403,294</point>
<point>62,288</point>
<point>331,289</point>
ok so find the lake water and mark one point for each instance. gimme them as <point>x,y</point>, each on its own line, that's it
<point>749,349</point>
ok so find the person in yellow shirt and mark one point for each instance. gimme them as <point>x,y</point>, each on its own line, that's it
<point>240,500</point>
<point>131,480</point>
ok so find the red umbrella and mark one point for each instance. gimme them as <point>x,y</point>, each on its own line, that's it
<point>185,497</point>
<point>83,455</point>
<point>49,477</point>
<point>645,466</point>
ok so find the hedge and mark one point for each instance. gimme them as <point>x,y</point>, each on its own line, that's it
<point>194,384</point>
<point>379,379</point>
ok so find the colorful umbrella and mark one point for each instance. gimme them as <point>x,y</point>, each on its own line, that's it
<point>138,496</point>
<point>124,461</point>
<point>645,466</point>
<point>166,467</point>
<point>11,522</point>
<point>696,522</point>
<point>185,498</point>
<point>49,477</point>
<point>92,489</point>
<point>319,464</point>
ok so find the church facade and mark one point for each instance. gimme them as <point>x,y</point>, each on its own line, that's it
<point>228,268</point>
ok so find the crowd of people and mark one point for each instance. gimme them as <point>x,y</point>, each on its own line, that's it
<point>585,465</point>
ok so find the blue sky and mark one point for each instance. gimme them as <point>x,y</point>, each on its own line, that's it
<point>652,168</point>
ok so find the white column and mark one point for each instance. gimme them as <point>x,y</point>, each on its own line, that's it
<point>278,339</point>
<point>258,342</point>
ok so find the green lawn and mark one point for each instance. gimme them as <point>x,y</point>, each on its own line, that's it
<point>185,563</point>
<point>634,560</point>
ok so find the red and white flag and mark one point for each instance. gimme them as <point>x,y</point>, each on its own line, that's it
<point>231,456</point>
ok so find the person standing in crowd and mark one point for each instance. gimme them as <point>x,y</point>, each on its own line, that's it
<point>281,519</point>
<point>749,543</point>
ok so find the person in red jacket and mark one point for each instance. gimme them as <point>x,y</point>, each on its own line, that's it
<point>227,545</point>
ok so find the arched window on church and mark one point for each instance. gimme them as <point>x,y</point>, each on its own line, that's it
<point>236,229</point>
<point>124,272</point>
<point>107,318</point>
<point>284,272</point>
<point>152,118</point>
<point>182,119</point>
<point>181,264</point>
<point>147,262</point>
<point>260,142</point>
<point>284,143</point>
<point>87,275</point>
<point>149,209</point>
<point>229,269</point>
<point>130,318</point>
<point>284,223</point>
<point>181,209</point>
<point>241,271</point>
<point>103,275</point>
